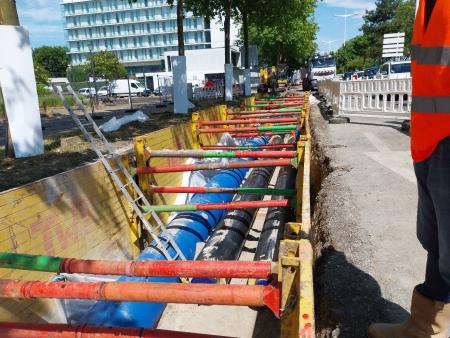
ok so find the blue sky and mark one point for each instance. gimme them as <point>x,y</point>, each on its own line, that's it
<point>44,21</point>
<point>332,28</point>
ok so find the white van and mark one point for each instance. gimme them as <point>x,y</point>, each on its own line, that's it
<point>120,88</point>
<point>395,70</point>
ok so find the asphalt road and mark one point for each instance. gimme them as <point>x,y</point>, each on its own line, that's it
<point>366,213</point>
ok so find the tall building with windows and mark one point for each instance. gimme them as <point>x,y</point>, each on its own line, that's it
<point>138,33</point>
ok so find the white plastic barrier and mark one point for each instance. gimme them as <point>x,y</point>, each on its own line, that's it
<point>216,92</point>
<point>383,98</point>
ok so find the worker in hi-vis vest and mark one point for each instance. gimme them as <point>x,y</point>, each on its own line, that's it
<point>430,146</point>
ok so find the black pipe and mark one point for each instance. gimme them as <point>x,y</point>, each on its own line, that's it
<point>228,239</point>
<point>276,218</point>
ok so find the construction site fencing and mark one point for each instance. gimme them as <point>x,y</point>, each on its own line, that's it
<point>382,98</point>
<point>216,92</point>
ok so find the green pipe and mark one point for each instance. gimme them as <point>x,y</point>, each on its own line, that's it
<point>277,128</point>
<point>218,154</point>
<point>10,260</point>
<point>172,208</point>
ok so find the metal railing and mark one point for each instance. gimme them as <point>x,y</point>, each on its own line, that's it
<point>382,98</point>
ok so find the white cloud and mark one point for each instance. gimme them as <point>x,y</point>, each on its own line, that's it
<point>43,19</point>
<point>351,4</point>
<point>40,14</point>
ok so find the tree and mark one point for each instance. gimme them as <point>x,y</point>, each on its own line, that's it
<point>180,25</point>
<point>353,55</point>
<point>224,9</point>
<point>107,66</point>
<point>53,59</point>
<point>286,34</point>
<point>41,74</point>
<point>404,21</point>
<point>77,73</point>
<point>378,22</point>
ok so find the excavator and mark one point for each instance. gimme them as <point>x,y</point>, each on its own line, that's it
<point>273,78</point>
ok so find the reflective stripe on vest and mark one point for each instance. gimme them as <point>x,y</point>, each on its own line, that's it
<point>431,55</point>
<point>431,104</point>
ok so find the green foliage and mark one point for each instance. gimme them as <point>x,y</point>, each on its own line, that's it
<point>53,59</point>
<point>51,101</point>
<point>389,16</point>
<point>107,66</point>
<point>404,21</point>
<point>77,73</point>
<point>43,90</point>
<point>354,55</point>
<point>383,19</point>
<point>41,73</point>
<point>285,33</point>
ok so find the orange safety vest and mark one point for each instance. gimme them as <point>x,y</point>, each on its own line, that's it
<point>430,53</point>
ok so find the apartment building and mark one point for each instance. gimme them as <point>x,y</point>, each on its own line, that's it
<point>138,33</point>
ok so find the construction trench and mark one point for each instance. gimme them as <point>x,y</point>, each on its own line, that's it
<point>242,237</point>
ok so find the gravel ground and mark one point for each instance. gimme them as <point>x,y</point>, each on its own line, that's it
<point>368,256</point>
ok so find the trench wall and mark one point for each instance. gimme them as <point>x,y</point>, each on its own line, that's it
<point>80,214</point>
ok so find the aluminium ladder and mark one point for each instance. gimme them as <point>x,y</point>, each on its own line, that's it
<point>162,245</point>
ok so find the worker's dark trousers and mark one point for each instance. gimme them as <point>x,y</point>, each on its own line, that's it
<point>433,221</point>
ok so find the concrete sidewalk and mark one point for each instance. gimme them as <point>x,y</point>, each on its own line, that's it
<point>366,213</point>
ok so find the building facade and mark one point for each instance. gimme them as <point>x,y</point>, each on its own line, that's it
<point>138,33</point>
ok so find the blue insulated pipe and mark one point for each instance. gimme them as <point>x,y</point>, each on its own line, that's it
<point>187,229</point>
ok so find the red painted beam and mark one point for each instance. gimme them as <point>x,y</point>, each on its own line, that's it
<point>244,205</point>
<point>262,111</point>
<point>269,146</point>
<point>280,101</point>
<point>251,116</point>
<point>183,293</point>
<point>211,166</point>
<point>197,269</point>
<point>252,121</point>
<point>244,129</point>
<point>237,135</point>
<point>282,105</point>
<point>44,330</point>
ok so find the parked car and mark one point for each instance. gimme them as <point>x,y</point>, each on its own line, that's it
<point>86,91</point>
<point>120,88</point>
<point>395,70</point>
<point>103,91</point>
<point>347,76</point>
<point>371,73</point>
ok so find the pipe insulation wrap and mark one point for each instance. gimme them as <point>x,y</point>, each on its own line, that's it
<point>187,229</point>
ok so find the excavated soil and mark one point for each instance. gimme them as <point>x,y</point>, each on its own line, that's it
<point>348,299</point>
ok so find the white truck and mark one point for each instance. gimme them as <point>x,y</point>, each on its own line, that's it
<point>119,88</point>
<point>318,68</point>
<point>395,70</point>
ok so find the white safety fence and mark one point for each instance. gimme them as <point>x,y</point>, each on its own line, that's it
<point>216,92</point>
<point>382,98</point>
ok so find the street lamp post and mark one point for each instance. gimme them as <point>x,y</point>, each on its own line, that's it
<point>329,44</point>
<point>345,16</point>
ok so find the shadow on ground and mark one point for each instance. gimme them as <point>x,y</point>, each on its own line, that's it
<point>348,300</point>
